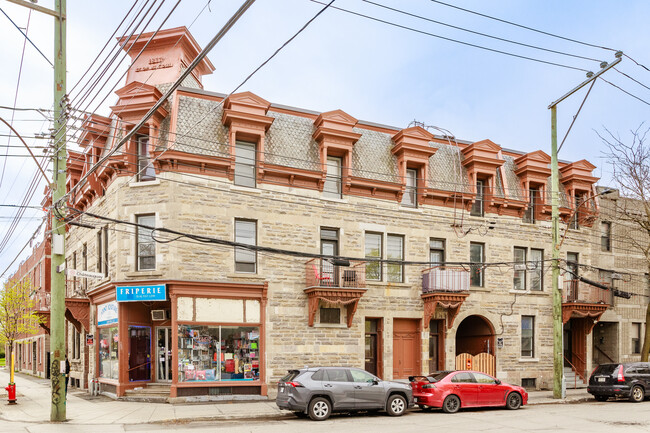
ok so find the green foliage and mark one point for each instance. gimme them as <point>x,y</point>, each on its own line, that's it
<point>17,311</point>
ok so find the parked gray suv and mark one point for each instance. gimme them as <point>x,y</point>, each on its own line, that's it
<point>319,391</point>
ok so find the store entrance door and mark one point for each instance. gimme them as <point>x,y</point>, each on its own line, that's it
<point>139,353</point>
<point>164,354</point>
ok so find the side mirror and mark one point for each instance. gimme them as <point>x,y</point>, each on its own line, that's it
<point>497,381</point>
<point>375,381</point>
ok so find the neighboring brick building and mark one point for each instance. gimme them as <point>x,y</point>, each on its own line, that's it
<point>31,352</point>
<point>209,319</point>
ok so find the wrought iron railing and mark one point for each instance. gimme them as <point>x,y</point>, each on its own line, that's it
<point>335,273</point>
<point>445,279</point>
<point>581,292</point>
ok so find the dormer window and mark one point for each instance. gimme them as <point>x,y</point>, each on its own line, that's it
<point>146,170</point>
<point>478,207</point>
<point>245,164</point>
<point>410,197</point>
<point>534,200</point>
<point>333,178</point>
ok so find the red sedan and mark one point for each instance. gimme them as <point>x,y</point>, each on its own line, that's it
<point>452,390</point>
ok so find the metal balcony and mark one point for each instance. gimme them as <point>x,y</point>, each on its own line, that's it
<point>335,273</point>
<point>577,291</point>
<point>445,279</point>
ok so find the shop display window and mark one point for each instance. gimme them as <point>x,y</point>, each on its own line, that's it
<point>108,356</point>
<point>218,353</point>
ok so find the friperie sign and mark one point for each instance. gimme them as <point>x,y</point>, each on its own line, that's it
<point>157,292</point>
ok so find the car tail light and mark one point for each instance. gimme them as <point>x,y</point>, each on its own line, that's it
<point>593,371</point>
<point>295,384</point>
<point>621,377</point>
<point>429,386</point>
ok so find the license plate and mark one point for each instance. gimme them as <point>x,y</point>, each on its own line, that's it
<point>601,379</point>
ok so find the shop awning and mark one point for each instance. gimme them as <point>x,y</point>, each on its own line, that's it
<point>340,296</point>
<point>77,312</point>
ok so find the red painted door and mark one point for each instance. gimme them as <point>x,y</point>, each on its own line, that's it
<point>406,353</point>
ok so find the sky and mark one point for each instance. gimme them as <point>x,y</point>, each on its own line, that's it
<point>372,70</point>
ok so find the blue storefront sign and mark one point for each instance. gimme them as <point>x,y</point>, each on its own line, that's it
<point>156,292</point>
<point>107,313</point>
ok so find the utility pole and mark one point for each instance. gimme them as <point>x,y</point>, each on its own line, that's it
<point>57,280</point>
<point>559,386</point>
<point>57,286</point>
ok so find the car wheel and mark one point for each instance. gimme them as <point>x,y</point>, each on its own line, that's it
<point>424,407</point>
<point>601,397</point>
<point>396,405</point>
<point>637,395</point>
<point>514,401</point>
<point>320,409</point>
<point>451,404</point>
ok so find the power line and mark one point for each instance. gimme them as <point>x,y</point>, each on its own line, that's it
<point>27,38</point>
<point>625,91</point>
<point>22,249</point>
<point>637,63</point>
<point>636,81</point>
<point>482,34</point>
<point>522,26</point>
<point>20,73</point>
<point>110,38</point>
<point>454,40</point>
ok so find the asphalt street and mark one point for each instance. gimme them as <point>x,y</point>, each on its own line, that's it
<point>592,417</point>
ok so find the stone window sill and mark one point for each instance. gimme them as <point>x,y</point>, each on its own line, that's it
<point>246,276</point>
<point>248,189</point>
<point>145,183</point>
<point>141,274</point>
<point>528,359</point>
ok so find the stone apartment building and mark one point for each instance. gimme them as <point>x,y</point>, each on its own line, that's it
<point>391,249</point>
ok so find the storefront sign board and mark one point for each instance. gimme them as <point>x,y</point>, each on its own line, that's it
<point>107,313</point>
<point>155,292</point>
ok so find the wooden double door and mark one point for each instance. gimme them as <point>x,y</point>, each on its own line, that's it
<point>406,348</point>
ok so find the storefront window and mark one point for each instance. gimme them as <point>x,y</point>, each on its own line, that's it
<point>218,353</point>
<point>108,365</point>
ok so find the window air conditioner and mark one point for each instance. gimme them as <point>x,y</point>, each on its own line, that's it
<point>158,315</point>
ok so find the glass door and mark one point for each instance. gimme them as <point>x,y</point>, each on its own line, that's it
<point>139,353</point>
<point>164,354</point>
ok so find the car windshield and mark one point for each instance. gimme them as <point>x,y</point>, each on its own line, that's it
<point>438,376</point>
<point>606,369</point>
<point>291,376</point>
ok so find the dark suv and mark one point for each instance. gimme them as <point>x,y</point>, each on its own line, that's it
<point>620,380</point>
<point>319,391</point>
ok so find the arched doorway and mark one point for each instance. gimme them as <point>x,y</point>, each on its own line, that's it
<point>475,345</point>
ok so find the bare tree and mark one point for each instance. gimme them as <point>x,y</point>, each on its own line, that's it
<point>630,162</point>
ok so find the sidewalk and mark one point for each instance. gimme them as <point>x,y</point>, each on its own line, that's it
<point>33,396</point>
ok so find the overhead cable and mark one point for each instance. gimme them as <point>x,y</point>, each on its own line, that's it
<point>522,26</point>
<point>390,23</point>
